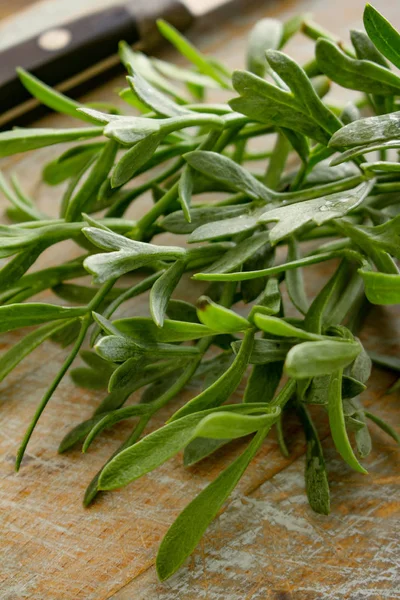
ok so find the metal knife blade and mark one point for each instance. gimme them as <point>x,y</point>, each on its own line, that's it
<point>70,48</point>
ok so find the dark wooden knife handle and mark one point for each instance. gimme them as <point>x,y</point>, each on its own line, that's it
<point>63,53</point>
<point>90,39</point>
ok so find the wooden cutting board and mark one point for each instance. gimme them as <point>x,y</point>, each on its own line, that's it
<point>7,9</point>
<point>267,544</point>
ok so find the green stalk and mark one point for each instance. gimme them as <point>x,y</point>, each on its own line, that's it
<point>86,322</point>
<point>277,162</point>
<point>122,204</point>
<point>145,222</point>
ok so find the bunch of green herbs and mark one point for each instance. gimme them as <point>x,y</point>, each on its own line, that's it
<point>319,186</point>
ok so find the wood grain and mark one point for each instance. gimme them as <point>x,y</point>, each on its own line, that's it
<point>267,544</point>
<point>9,8</point>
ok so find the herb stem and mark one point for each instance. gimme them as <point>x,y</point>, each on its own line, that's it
<point>192,120</point>
<point>79,203</point>
<point>119,207</point>
<point>385,188</point>
<point>247,275</point>
<point>285,394</point>
<point>315,31</point>
<point>156,211</point>
<point>203,345</point>
<point>322,190</point>
<point>277,162</point>
<point>86,322</point>
<point>131,292</point>
<point>300,176</point>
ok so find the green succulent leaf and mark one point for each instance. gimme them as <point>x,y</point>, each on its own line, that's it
<point>361,150</point>
<point>361,368</point>
<point>144,329</point>
<point>117,348</point>
<point>50,97</point>
<point>159,446</point>
<point>89,379</point>
<point>83,200</point>
<point>265,102</point>
<point>266,351</point>
<point>279,327</point>
<point>71,163</point>
<point>266,34</point>
<point>384,426</point>
<point>124,254</point>
<point>311,359</point>
<point>186,184</point>
<point>12,357</point>
<point>381,288</point>
<point>127,131</point>
<point>327,298</point>
<point>263,381</point>
<point>362,436</point>
<point>135,373</point>
<point>180,310</point>
<point>383,34</point>
<point>317,486</point>
<point>384,237</point>
<point>123,375</point>
<point>352,387</point>
<point>111,419</point>
<point>151,452</point>
<point>183,46</point>
<point>294,279</point>
<point>337,423</point>
<point>185,533</point>
<point>201,448</point>
<point>235,257</point>
<point>355,74</point>
<point>23,140</point>
<point>77,434</point>
<point>300,85</point>
<point>179,73</point>
<point>224,424</point>
<point>270,299</point>
<point>293,217</point>
<point>134,159</point>
<point>162,290</point>
<point>223,169</point>
<point>371,130</point>
<point>137,62</point>
<point>177,223</point>
<point>219,318</point>
<point>245,222</point>
<point>223,388</point>
<point>365,49</point>
<point>154,98</point>
<point>14,316</point>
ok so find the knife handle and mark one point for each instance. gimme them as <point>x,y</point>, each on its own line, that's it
<point>61,53</point>
<point>64,52</point>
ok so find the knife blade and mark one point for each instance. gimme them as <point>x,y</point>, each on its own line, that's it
<point>72,55</point>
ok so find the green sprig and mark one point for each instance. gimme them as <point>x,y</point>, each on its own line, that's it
<point>338,196</point>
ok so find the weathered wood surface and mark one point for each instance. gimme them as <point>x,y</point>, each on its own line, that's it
<point>9,8</point>
<point>267,544</point>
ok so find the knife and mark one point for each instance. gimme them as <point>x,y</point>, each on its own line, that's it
<point>71,55</point>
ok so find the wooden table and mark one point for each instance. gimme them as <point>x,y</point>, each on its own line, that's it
<point>9,8</point>
<point>267,544</point>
